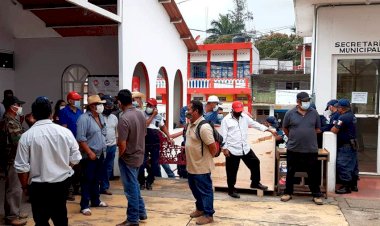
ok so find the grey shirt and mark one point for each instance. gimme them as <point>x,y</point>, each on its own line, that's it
<point>302,134</point>
<point>132,128</point>
<point>89,131</point>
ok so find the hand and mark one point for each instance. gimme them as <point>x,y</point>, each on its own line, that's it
<point>274,133</point>
<point>155,112</point>
<point>91,155</point>
<point>226,152</point>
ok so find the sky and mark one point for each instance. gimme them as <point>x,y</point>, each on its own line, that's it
<point>268,14</point>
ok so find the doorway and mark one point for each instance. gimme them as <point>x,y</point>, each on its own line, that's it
<point>358,81</point>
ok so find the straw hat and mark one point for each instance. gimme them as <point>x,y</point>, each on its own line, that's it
<point>137,94</point>
<point>95,99</point>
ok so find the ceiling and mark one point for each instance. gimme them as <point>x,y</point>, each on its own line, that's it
<point>69,20</point>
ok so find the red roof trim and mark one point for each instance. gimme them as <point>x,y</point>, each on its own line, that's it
<point>225,46</point>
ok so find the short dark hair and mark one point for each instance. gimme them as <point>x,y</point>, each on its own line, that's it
<point>196,105</point>
<point>8,92</point>
<point>125,97</point>
<point>41,108</point>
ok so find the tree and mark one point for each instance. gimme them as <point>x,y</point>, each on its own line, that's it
<point>229,25</point>
<point>279,46</point>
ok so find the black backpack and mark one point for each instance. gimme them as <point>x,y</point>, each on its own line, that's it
<point>217,136</point>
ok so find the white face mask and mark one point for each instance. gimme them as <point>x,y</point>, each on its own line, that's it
<point>61,107</point>
<point>19,110</point>
<point>77,103</point>
<point>305,105</point>
<point>149,110</point>
<point>215,108</point>
<point>99,108</point>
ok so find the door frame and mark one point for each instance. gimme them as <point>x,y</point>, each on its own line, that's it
<point>334,81</point>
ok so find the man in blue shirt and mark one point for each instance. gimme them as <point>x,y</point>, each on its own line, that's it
<point>211,110</point>
<point>346,160</point>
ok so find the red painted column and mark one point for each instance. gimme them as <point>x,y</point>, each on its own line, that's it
<point>250,61</point>
<point>188,66</point>
<point>235,64</point>
<point>208,64</point>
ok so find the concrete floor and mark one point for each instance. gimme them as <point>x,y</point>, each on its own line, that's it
<point>170,202</point>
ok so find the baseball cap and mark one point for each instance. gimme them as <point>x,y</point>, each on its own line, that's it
<point>9,101</point>
<point>152,101</point>
<point>108,99</point>
<point>73,96</point>
<point>343,103</point>
<point>331,103</point>
<point>237,106</point>
<point>271,120</point>
<point>303,96</point>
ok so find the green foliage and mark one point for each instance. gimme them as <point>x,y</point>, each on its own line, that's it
<point>229,25</point>
<point>279,46</point>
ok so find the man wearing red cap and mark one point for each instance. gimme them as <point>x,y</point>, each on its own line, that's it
<point>154,123</point>
<point>234,132</point>
<point>68,118</point>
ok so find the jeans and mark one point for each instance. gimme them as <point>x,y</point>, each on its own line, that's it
<point>168,170</point>
<point>107,168</point>
<point>136,206</point>
<point>92,171</point>
<point>304,161</point>
<point>346,165</point>
<point>49,202</point>
<point>201,187</point>
<point>232,166</point>
<point>152,153</point>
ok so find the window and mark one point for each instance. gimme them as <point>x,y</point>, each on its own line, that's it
<point>292,85</point>
<point>222,99</point>
<point>242,98</point>
<point>199,70</point>
<point>262,111</point>
<point>243,69</point>
<point>222,69</point>
<point>74,78</point>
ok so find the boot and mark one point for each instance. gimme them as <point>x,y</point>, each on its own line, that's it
<point>344,189</point>
<point>354,185</point>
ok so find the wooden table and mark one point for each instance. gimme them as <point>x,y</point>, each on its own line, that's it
<point>323,157</point>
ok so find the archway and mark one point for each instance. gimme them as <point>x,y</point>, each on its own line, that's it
<point>162,94</point>
<point>74,78</point>
<point>140,79</point>
<point>177,98</point>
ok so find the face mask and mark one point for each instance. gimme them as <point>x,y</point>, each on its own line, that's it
<point>305,105</point>
<point>77,103</point>
<point>61,107</point>
<point>19,110</point>
<point>135,104</point>
<point>107,112</point>
<point>220,116</point>
<point>236,114</point>
<point>99,108</point>
<point>215,108</point>
<point>149,111</point>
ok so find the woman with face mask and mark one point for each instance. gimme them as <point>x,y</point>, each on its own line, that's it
<point>58,106</point>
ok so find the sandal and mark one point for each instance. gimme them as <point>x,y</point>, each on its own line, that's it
<point>102,204</point>
<point>86,212</point>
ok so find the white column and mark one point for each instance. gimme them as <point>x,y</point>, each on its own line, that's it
<point>329,143</point>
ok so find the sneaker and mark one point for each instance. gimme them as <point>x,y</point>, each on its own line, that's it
<point>286,197</point>
<point>143,217</point>
<point>234,195</point>
<point>354,188</point>
<point>127,223</point>
<point>196,213</point>
<point>15,222</point>
<point>204,220</point>
<point>318,200</point>
<point>106,192</point>
<point>142,187</point>
<point>343,190</point>
<point>259,186</point>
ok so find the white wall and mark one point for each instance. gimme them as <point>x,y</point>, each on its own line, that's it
<point>340,24</point>
<point>6,75</point>
<point>41,62</point>
<point>148,36</point>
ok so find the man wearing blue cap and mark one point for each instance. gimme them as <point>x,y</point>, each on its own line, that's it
<point>346,161</point>
<point>332,114</point>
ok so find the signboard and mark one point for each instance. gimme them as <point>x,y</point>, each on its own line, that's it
<point>288,97</point>
<point>106,84</point>
<point>357,47</point>
<point>359,97</point>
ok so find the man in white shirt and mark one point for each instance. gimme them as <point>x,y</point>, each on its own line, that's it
<point>234,132</point>
<point>45,155</point>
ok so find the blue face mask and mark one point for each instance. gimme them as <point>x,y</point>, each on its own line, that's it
<point>220,117</point>
<point>135,104</point>
<point>305,105</point>
<point>77,103</point>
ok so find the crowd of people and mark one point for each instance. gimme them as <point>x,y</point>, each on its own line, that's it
<point>67,152</point>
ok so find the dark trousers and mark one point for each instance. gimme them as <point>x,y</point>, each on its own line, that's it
<point>152,154</point>
<point>232,166</point>
<point>49,201</point>
<point>347,165</point>
<point>91,175</point>
<point>201,187</point>
<point>308,162</point>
